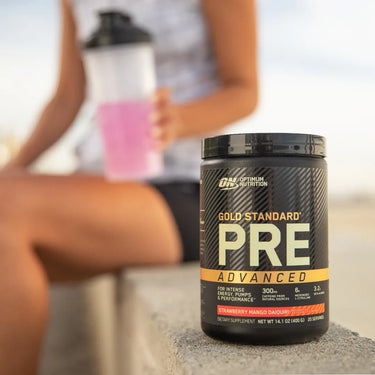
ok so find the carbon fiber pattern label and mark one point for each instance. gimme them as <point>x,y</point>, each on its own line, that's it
<point>264,252</point>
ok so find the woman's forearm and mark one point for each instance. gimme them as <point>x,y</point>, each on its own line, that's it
<point>54,120</point>
<point>236,59</point>
<point>61,110</point>
<point>217,110</point>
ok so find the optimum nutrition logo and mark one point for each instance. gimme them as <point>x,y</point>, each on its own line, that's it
<point>228,183</point>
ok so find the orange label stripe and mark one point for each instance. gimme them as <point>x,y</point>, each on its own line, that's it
<point>264,277</point>
<point>271,312</point>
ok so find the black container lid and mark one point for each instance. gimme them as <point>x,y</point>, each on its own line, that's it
<point>116,28</point>
<point>264,144</point>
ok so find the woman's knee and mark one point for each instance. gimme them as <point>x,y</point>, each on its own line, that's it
<point>22,277</point>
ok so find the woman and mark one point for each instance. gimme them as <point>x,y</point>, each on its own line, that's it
<point>57,228</point>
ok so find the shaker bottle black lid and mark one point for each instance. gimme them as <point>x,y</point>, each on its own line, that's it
<point>116,28</point>
<point>263,144</point>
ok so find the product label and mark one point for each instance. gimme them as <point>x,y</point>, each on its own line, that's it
<point>264,255</point>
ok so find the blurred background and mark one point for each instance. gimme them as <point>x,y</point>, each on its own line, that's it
<point>317,75</point>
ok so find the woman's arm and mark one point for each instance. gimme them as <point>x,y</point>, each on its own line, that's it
<point>233,33</point>
<point>69,95</point>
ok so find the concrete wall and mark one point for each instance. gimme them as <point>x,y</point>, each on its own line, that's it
<point>161,329</point>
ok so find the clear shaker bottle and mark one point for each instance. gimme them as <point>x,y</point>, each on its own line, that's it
<point>120,66</point>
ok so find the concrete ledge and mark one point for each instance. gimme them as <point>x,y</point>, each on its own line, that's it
<point>160,334</point>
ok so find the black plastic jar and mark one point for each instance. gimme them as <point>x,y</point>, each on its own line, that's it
<point>264,238</point>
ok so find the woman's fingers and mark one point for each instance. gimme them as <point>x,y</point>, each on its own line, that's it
<point>164,118</point>
<point>163,131</point>
<point>162,107</point>
<point>161,96</point>
<point>162,115</point>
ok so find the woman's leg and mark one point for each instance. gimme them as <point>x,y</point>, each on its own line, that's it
<point>64,229</point>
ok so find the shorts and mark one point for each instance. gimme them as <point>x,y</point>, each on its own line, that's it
<point>183,200</point>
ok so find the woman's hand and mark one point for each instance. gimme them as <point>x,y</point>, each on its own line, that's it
<point>166,119</point>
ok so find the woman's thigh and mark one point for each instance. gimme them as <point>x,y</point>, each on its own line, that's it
<point>81,225</point>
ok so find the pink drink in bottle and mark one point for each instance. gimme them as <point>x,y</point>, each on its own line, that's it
<point>120,65</point>
<point>129,150</point>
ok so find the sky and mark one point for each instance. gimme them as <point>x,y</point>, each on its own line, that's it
<point>317,75</point>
